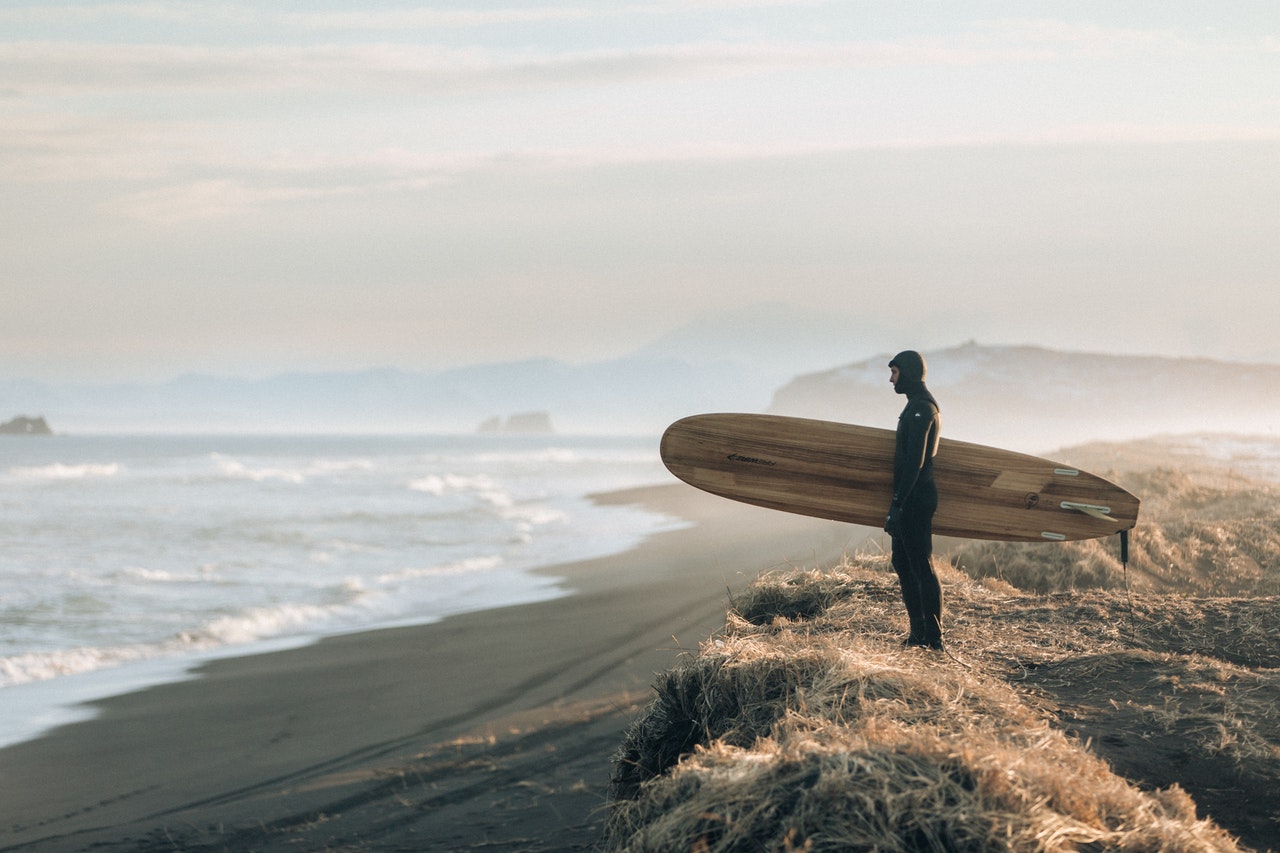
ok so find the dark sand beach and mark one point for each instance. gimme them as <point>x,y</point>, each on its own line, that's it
<point>487,731</point>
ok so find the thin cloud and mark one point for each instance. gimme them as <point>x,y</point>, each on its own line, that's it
<point>400,19</point>
<point>56,15</point>
<point>250,187</point>
<point>58,147</point>
<point>64,68</point>
<point>213,199</point>
<point>370,19</point>
<point>73,68</point>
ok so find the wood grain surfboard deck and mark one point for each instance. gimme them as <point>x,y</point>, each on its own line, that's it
<point>844,472</point>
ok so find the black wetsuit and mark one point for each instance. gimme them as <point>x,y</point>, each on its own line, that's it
<point>910,521</point>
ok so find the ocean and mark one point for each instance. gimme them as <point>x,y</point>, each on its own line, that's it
<point>127,560</point>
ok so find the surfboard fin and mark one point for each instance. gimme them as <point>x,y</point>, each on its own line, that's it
<point>1089,509</point>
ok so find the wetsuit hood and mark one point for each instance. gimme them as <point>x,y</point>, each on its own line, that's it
<point>911,373</point>
<point>910,365</point>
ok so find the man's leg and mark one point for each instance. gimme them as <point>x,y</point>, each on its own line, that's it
<point>910,585</point>
<point>917,548</point>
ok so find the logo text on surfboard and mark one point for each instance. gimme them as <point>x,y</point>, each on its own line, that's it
<point>754,460</point>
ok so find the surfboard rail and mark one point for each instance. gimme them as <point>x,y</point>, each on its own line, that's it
<point>844,472</point>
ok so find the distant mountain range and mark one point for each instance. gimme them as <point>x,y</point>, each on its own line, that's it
<point>626,396</point>
<point>1035,399</point>
<point>1019,397</point>
<point>731,360</point>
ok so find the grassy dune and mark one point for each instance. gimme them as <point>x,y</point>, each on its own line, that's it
<point>1077,707</point>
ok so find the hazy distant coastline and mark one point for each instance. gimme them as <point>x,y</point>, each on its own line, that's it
<point>1022,397</point>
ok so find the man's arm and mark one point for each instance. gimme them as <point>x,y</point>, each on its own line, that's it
<point>919,420</point>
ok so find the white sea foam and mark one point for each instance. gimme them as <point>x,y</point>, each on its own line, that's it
<point>550,455</point>
<point>259,623</point>
<point>339,466</point>
<point>538,514</point>
<point>480,486</point>
<point>199,574</point>
<point>442,484</point>
<point>61,471</point>
<point>249,626</point>
<point>467,566</point>
<point>40,666</point>
<point>236,470</point>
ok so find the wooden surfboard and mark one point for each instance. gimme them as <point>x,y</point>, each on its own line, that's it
<point>844,472</point>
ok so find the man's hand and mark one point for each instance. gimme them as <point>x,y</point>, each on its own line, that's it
<point>892,520</point>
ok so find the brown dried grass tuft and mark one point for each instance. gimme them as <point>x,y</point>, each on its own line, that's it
<point>1194,537</point>
<point>805,595</point>
<point>821,733</point>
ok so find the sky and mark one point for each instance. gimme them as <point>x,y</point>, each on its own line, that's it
<point>249,188</point>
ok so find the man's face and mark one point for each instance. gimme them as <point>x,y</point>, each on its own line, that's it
<point>893,376</point>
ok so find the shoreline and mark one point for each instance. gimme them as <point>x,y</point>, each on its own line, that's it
<point>253,749</point>
<point>37,707</point>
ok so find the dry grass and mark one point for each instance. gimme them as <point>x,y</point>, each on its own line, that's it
<point>823,734</point>
<point>1192,538</point>
<point>1057,720</point>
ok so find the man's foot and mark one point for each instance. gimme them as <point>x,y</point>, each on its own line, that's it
<point>912,641</point>
<point>916,634</point>
<point>933,633</point>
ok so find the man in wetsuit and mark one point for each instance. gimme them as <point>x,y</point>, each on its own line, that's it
<point>915,499</point>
